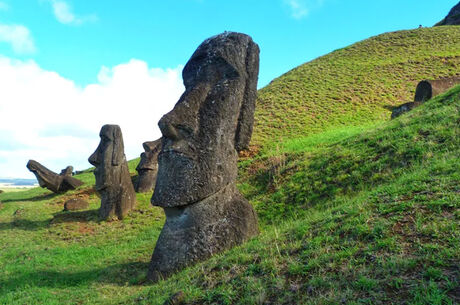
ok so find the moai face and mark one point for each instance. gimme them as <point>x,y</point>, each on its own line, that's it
<point>108,157</point>
<point>46,178</point>
<point>212,120</point>
<point>148,166</point>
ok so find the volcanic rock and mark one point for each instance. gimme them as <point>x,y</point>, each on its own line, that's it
<point>75,204</point>
<point>453,18</point>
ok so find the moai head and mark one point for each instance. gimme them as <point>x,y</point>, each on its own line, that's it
<point>46,178</point>
<point>148,166</point>
<point>108,157</point>
<point>210,123</point>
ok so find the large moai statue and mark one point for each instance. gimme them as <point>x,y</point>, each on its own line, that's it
<point>197,165</point>
<point>51,180</point>
<point>113,181</point>
<point>147,168</point>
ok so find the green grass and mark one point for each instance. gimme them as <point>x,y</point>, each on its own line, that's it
<point>370,218</point>
<point>364,213</point>
<point>355,85</point>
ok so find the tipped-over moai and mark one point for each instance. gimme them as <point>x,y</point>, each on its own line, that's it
<point>197,165</point>
<point>51,180</point>
<point>148,166</point>
<point>113,181</point>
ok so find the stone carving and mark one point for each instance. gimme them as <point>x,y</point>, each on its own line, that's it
<point>75,204</point>
<point>197,165</point>
<point>453,18</point>
<point>51,180</point>
<point>113,181</point>
<point>426,90</point>
<point>148,166</point>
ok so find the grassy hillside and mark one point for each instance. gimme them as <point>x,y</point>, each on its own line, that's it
<point>353,208</point>
<point>355,85</point>
<point>349,217</point>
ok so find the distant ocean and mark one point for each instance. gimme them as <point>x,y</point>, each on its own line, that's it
<point>17,183</point>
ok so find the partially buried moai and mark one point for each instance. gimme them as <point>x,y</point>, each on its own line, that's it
<point>113,181</point>
<point>148,166</point>
<point>197,166</point>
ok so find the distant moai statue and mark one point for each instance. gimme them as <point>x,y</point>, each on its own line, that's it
<point>113,181</point>
<point>147,168</point>
<point>426,90</point>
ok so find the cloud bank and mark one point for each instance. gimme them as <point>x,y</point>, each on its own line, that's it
<point>49,118</point>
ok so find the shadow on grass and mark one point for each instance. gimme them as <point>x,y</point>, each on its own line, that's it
<point>24,224</point>
<point>131,274</point>
<point>33,198</point>
<point>60,217</point>
<point>80,216</point>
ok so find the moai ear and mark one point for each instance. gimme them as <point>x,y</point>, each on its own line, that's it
<point>246,117</point>
<point>117,152</point>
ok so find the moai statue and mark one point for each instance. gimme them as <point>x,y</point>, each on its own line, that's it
<point>148,166</point>
<point>52,181</point>
<point>113,181</point>
<point>197,165</point>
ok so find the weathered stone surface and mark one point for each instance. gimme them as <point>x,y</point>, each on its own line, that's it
<point>75,204</point>
<point>426,90</point>
<point>197,231</point>
<point>197,166</point>
<point>148,166</point>
<point>52,181</point>
<point>113,181</point>
<point>453,18</point>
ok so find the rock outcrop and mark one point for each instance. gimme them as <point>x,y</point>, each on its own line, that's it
<point>148,166</point>
<point>75,204</point>
<point>453,18</point>
<point>197,165</point>
<point>113,181</point>
<point>51,180</point>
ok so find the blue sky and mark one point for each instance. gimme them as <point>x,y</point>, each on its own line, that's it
<point>74,58</point>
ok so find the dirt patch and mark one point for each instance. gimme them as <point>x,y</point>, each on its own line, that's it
<point>252,151</point>
<point>82,194</point>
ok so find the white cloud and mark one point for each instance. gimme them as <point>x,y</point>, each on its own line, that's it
<point>18,36</point>
<point>298,8</point>
<point>64,14</point>
<point>301,8</point>
<point>4,6</point>
<point>48,118</point>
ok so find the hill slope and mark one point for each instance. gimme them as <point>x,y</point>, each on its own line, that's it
<point>355,85</point>
<point>349,213</point>
<point>367,218</point>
